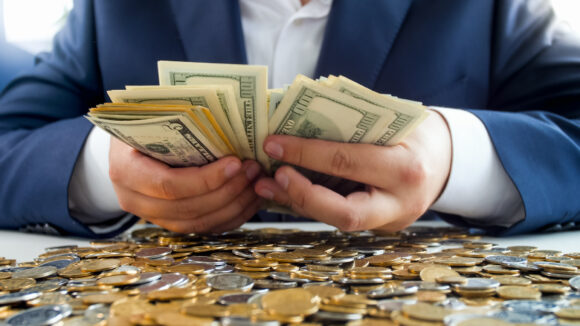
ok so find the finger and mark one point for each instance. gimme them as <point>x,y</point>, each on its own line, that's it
<point>209,222</point>
<point>359,162</point>
<point>156,179</point>
<point>183,209</point>
<point>245,216</point>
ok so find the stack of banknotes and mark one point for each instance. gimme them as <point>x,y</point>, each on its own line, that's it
<point>203,111</point>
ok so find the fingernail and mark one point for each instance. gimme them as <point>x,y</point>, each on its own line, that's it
<point>274,150</point>
<point>252,171</point>
<point>282,180</point>
<point>265,193</point>
<point>232,168</point>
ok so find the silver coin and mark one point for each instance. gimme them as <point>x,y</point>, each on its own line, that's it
<point>268,250</point>
<point>477,283</point>
<point>524,267</point>
<point>13,269</point>
<point>174,279</point>
<point>147,277</point>
<point>234,298</point>
<point>531,306</point>
<point>393,292</point>
<point>453,304</point>
<point>231,281</point>
<point>352,281</point>
<point>153,286</point>
<point>207,268</point>
<point>69,256</point>
<point>152,253</point>
<point>503,260</point>
<point>203,259</point>
<point>559,275</point>
<point>286,277</point>
<point>243,253</point>
<point>368,251</point>
<point>273,284</point>
<point>575,283</point>
<point>427,286</point>
<point>43,315</point>
<point>18,297</point>
<point>224,269</point>
<point>60,248</point>
<point>48,285</point>
<point>36,272</point>
<point>333,261</point>
<point>327,316</point>
<point>323,283</point>
<point>524,317</point>
<point>239,321</point>
<point>393,304</point>
<point>126,269</point>
<point>58,264</point>
<point>97,313</point>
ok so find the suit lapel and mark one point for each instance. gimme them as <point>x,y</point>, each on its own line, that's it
<point>358,38</point>
<point>210,31</point>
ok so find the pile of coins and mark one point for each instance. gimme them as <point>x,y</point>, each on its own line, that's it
<point>420,276</point>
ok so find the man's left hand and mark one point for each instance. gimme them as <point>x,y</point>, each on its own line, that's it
<point>402,180</point>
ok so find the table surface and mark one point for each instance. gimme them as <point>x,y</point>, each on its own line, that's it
<point>25,246</point>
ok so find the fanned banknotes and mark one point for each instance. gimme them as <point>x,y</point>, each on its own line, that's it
<point>203,111</point>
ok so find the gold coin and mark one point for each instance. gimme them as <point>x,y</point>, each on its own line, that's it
<point>108,298</point>
<point>326,292</point>
<point>290,302</point>
<point>313,276</point>
<point>117,280</point>
<point>512,280</point>
<point>371,322</point>
<point>342,309</point>
<point>569,313</point>
<point>405,275</point>
<point>451,280</point>
<point>496,269</point>
<point>285,257</point>
<point>430,274</point>
<point>286,268</point>
<point>552,288</point>
<point>425,311</point>
<point>17,284</point>
<point>99,265</point>
<point>518,292</point>
<point>206,310</point>
<point>245,310</point>
<point>5,275</point>
<point>430,296</point>
<point>173,318</point>
<point>172,294</point>
<point>460,261</point>
<point>324,269</point>
<point>400,319</point>
<point>73,271</point>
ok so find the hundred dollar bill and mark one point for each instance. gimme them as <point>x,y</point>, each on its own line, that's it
<point>181,96</point>
<point>229,107</point>
<point>199,116</point>
<point>408,113</point>
<point>249,83</point>
<point>174,140</point>
<point>311,110</point>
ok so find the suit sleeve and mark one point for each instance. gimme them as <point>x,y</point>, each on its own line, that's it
<point>42,129</point>
<point>535,88</point>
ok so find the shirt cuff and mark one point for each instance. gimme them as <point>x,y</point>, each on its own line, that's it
<point>478,188</point>
<point>92,199</point>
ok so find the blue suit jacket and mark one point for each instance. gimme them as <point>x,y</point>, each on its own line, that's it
<point>503,60</point>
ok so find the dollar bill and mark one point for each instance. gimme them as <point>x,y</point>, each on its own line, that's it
<point>249,83</point>
<point>170,139</point>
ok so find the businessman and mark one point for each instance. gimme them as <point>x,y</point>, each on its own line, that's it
<point>499,150</point>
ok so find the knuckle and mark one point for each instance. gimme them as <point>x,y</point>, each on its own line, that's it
<point>350,222</point>
<point>341,162</point>
<point>185,211</point>
<point>417,207</point>
<point>165,186</point>
<point>415,173</point>
<point>115,173</point>
<point>125,204</point>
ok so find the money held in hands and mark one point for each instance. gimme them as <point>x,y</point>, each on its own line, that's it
<point>204,111</point>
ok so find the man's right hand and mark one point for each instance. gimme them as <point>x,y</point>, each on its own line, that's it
<point>213,198</point>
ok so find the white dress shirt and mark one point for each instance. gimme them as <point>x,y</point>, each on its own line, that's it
<point>287,37</point>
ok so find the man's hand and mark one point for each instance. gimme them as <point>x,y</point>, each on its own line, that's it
<point>402,180</point>
<point>212,198</point>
